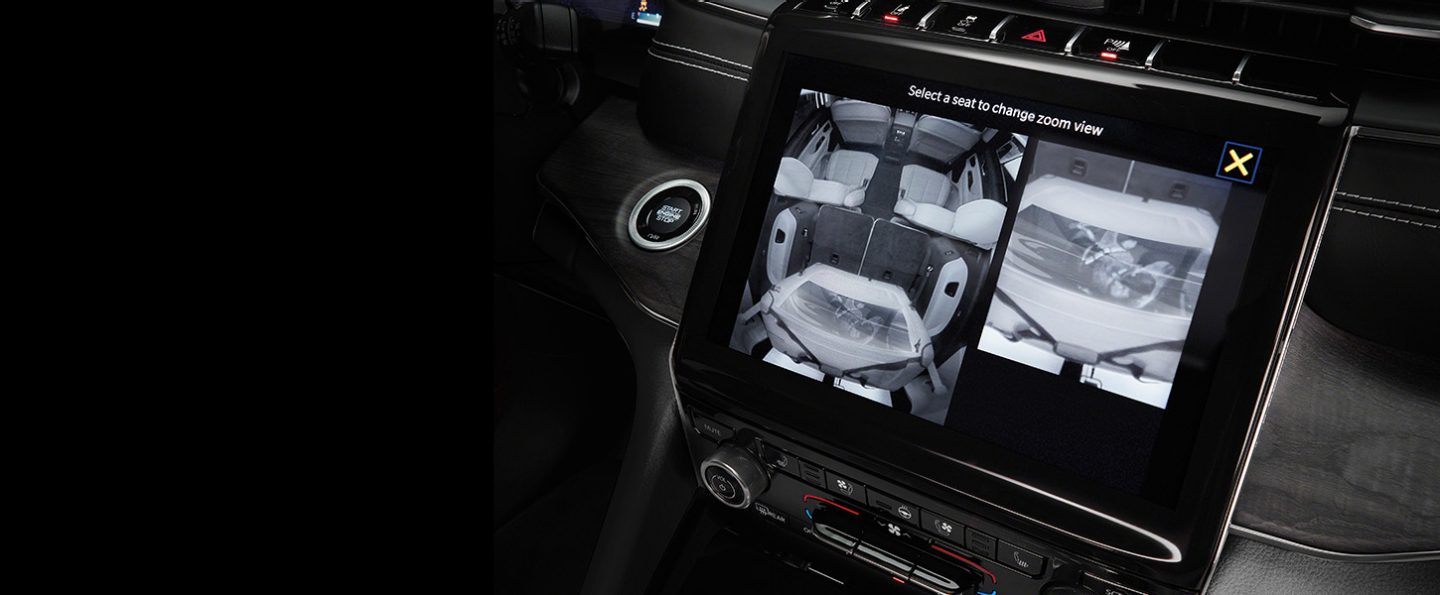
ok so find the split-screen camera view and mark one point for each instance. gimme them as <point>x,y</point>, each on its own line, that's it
<point>1103,269</point>
<point>880,232</point>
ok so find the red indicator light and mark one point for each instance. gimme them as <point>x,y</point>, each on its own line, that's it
<point>956,556</point>
<point>890,18</point>
<point>897,579</point>
<point>809,497</point>
<point>1036,35</point>
<point>1109,55</point>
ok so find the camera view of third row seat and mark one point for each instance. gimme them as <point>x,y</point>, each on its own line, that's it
<point>941,139</point>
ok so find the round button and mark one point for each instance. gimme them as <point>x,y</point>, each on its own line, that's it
<point>670,215</point>
<point>734,476</point>
<point>723,486</point>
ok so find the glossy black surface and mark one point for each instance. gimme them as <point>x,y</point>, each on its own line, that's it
<point>1037,34</point>
<point>945,466</point>
<point>965,21</point>
<point>1009,561</point>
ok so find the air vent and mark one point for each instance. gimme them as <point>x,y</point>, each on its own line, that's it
<point>1314,29</point>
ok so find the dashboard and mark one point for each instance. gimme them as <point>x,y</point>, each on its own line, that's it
<point>1000,297</point>
<point>1036,306</point>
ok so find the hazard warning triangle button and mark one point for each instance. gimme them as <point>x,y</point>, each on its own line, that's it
<point>1036,34</point>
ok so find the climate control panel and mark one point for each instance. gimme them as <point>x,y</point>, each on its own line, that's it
<point>922,544</point>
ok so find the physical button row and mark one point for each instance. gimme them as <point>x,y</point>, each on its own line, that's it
<point>981,543</point>
<point>985,545</point>
<point>1191,60</point>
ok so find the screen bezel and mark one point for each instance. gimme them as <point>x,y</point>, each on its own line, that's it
<point>1299,139</point>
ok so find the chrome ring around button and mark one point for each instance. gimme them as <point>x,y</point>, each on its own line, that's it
<point>700,218</point>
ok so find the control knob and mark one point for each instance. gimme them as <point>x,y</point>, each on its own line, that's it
<point>734,476</point>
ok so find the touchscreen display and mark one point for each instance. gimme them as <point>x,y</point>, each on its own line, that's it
<point>1017,271</point>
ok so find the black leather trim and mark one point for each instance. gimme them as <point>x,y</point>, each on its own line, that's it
<point>1375,273</point>
<point>1249,568</point>
<point>760,9</point>
<point>688,61</point>
<point>697,71</point>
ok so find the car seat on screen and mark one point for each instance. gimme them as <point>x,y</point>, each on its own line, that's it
<point>861,122</point>
<point>794,180</point>
<point>941,139</point>
<point>929,200</point>
<point>852,168</point>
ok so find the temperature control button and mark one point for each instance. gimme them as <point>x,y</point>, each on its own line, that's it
<point>980,543</point>
<point>845,486</point>
<point>900,509</point>
<point>945,528</point>
<point>1025,561</point>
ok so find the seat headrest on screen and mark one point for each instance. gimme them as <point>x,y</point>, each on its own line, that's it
<point>942,139</point>
<point>861,121</point>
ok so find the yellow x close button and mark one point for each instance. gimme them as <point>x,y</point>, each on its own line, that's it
<point>1239,162</point>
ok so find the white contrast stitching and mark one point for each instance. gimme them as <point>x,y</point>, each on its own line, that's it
<point>699,67</point>
<point>695,51</point>
<point>736,10</point>
<point>1387,202</point>
<point>1385,217</point>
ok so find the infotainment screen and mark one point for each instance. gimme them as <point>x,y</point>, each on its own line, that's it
<point>1048,292</point>
<point>1041,278</point>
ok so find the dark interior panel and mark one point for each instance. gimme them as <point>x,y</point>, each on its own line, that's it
<point>599,173</point>
<point>1249,567</point>
<point>1347,458</point>
<point>697,70</point>
<point>1375,274</point>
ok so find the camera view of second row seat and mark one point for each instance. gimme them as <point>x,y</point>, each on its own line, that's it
<point>844,177</point>
<point>958,209</point>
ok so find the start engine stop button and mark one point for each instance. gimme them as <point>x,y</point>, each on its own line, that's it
<point>673,214</point>
<point>669,214</point>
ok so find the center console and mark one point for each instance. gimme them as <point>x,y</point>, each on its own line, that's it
<point>993,304</point>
